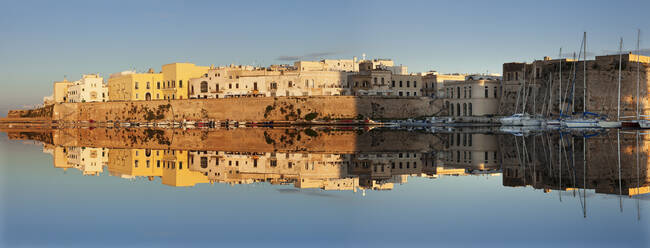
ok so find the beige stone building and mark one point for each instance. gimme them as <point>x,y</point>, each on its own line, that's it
<point>434,82</point>
<point>60,92</point>
<point>242,81</point>
<point>476,96</point>
<point>372,80</point>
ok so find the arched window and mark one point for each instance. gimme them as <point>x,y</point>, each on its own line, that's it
<point>470,109</point>
<point>204,87</point>
<point>457,109</point>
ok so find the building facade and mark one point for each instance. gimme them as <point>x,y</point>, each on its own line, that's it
<point>90,88</point>
<point>472,97</point>
<point>132,86</point>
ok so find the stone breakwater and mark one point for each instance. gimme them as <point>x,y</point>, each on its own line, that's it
<point>248,109</point>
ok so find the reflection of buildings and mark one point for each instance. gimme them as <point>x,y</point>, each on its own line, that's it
<point>90,161</point>
<point>546,162</point>
<point>474,153</point>
<point>541,161</point>
<point>327,171</point>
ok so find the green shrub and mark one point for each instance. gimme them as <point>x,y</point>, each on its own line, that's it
<point>311,116</point>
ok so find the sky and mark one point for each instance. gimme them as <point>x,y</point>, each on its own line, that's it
<point>43,41</point>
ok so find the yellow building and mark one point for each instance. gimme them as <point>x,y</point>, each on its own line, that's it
<point>135,162</point>
<point>176,77</point>
<point>132,86</point>
<point>176,170</point>
<point>60,92</point>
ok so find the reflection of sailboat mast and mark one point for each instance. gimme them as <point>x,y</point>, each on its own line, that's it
<point>584,174</point>
<point>638,184</point>
<point>560,148</point>
<point>620,187</point>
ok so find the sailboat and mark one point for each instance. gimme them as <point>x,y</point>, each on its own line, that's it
<point>523,118</point>
<point>582,122</point>
<point>617,123</point>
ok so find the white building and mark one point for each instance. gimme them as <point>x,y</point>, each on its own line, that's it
<point>90,88</point>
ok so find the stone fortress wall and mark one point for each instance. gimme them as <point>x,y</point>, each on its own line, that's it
<point>248,109</point>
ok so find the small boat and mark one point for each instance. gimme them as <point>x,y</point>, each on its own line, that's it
<point>553,122</point>
<point>645,124</point>
<point>520,120</point>
<point>580,123</point>
<point>609,124</point>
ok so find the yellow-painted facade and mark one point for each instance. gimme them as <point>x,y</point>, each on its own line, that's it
<point>129,86</point>
<point>176,77</point>
<point>60,93</point>
<point>135,162</point>
<point>176,170</point>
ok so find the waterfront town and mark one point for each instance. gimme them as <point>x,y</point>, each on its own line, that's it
<point>541,86</point>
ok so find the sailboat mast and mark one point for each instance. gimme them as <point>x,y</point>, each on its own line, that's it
<point>559,90</point>
<point>584,76</point>
<point>620,64</point>
<point>525,90</point>
<point>573,83</point>
<point>638,87</point>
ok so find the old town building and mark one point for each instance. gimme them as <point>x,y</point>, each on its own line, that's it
<point>90,88</point>
<point>476,96</point>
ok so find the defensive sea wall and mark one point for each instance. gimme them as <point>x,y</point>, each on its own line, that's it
<point>249,109</point>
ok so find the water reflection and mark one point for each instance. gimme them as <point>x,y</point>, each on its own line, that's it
<point>335,159</point>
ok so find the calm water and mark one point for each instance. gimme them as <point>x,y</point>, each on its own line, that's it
<point>323,187</point>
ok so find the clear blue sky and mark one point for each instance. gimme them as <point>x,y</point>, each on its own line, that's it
<point>42,41</point>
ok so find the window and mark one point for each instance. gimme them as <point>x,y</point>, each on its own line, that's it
<point>486,92</point>
<point>393,83</point>
<point>136,85</point>
<point>465,109</point>
<point>158,164</point>
<point>464,92</point>
<point>375,80</point>
<point>451,109</point>
<point>204,87</point>
<point>400,83</point>
<point>495,92</point>
<point>415,84</point>
<point>158,85</point>
<point>135,163</point>
<point>470,109</point>
<point>148,86</point>
<point>408,83</point>
<point>204,162</point>
<point>457,109</point>
<point>382,82</point>
<point>470,91</point>
<point>180,83</point>
<point>458,92</point>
